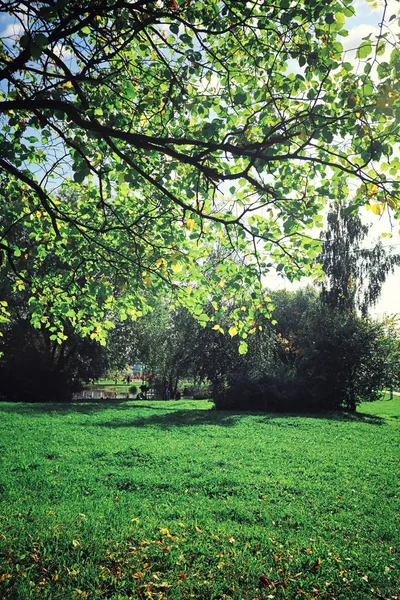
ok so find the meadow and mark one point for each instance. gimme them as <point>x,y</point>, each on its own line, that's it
<point>174,500</point>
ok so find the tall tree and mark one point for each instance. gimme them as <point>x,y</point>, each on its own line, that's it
<point>182,123</point>
<point>355,274</point>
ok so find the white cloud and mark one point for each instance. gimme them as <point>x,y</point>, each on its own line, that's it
<point>356,34</point>
<point>376,7</point>
<point>62,52</point>
<point>354,40</point>
<point>12,30</point>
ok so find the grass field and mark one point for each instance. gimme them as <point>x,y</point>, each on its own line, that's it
<point>155,500</point>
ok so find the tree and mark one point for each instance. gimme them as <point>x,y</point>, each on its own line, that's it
<point>354,274</point>
<point>34,368</point>
<point>315,359</point>
<point>164,342</point>
<point>179,124</point>
<point>389,352</point>
<point>38,361</point>
<point>340,359</point>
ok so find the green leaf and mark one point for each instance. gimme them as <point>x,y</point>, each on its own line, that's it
<point>364,49</point>
<point>243,347</point>
<point>41,40</point>
<point>240,98</point>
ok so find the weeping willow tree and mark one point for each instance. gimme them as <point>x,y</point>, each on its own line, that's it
<point>355,271</point>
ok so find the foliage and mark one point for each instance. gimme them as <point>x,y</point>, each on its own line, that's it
<point>163,342</point>
<point>172,500</point>
<point>38,360</point>
<point>36,364</point>
<point>197,392</point>
<point>226,358</point>
<point>35,368</point>
<point>321,359</point>
<point>389,351</point>
<point>342,359</point>
<point>175,125</point>
<point>354,274</point>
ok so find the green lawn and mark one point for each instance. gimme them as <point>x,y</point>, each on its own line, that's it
<point>156,500</point>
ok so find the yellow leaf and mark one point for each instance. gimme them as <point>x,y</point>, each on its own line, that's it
<point>218,328</point>
<point>176,267</point>
<point>232,331</point>
<point>147,281</point>
<point>190,223</point>
<point>392,203</point>
<point>376,209</point>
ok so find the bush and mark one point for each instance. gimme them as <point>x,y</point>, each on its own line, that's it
<point>197,392</point>
<point>267,394</point>
<point>325,360</point>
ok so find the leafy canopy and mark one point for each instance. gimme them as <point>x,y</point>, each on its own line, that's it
<point>139,136</point>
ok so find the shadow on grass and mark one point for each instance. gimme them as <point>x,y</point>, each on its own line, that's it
<point>330,416</point>
<point>42,408</point>
<point>358,418</point>
<point>91,407</point>
<point>177,418</point>
<point>186,417</point>
<point>167,416</point>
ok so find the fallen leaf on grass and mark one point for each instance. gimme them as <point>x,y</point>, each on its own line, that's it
<point>264,581</point>
<point>166,531</point>
<point>139,575</point>
<point>316,564</point>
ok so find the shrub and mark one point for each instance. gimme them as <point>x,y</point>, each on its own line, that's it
<point>197,392</point>
<point>268,394</point>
